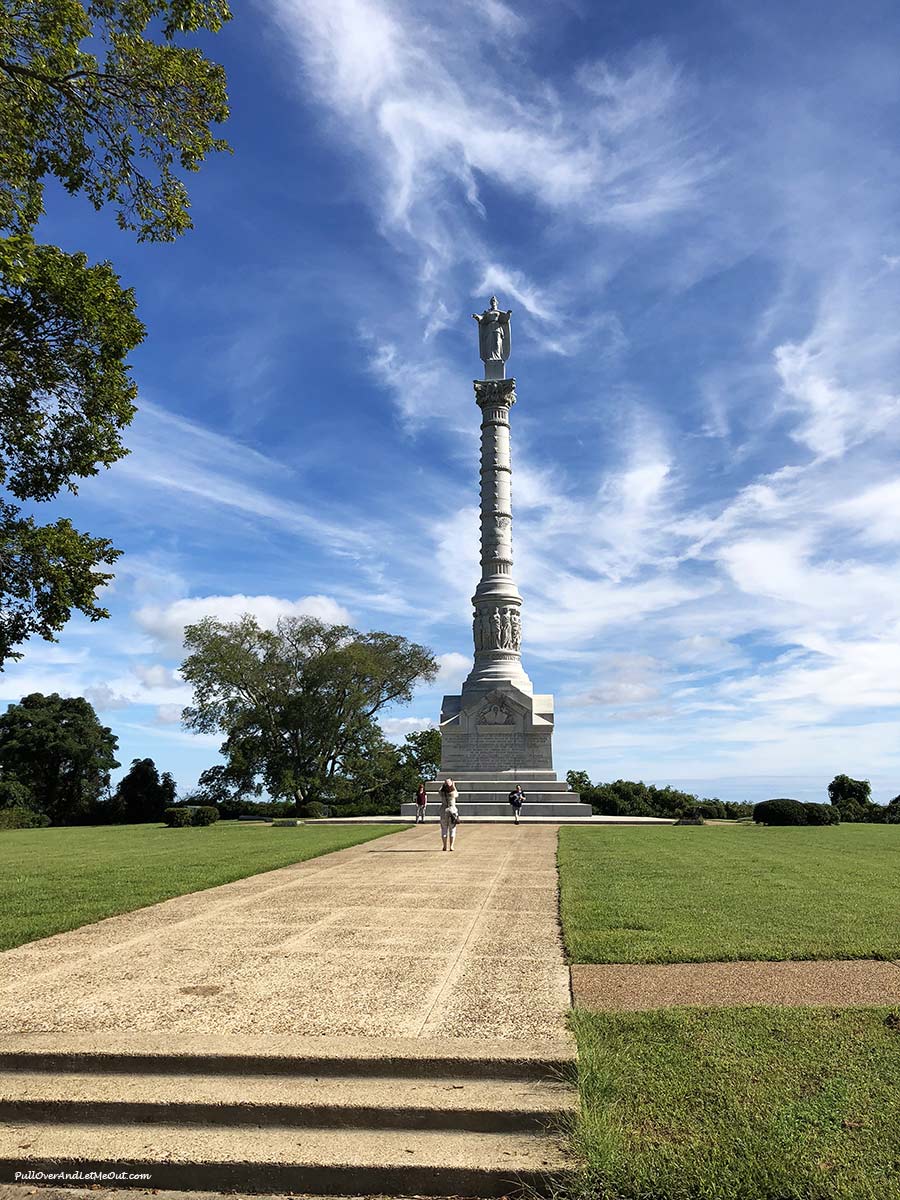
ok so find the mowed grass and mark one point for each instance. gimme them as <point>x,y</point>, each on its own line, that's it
<point>755,1103</point>
<point>57,879</point>
<point>720,893</point>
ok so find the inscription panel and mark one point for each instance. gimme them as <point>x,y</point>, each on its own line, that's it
<point>495,748</point>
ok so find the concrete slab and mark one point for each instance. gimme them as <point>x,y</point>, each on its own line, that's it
<point>639,987</point>
<point>428,1162</point>
<point>393,938</point>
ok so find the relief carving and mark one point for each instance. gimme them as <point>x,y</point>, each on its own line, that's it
<point>497,629</point>
<point>496,714</point>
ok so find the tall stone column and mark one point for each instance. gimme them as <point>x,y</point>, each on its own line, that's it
<point>497,620</point>
<point>498,730</point>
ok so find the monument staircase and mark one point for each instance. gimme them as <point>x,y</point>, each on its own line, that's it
<point>489,797</point>
<point>347,1116</point>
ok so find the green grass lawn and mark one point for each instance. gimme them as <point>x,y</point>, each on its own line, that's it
<point>57,879</point>
<point>739,1104</point>
<point>718,893</point>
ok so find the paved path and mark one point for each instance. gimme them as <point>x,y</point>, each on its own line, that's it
<point>390,939</point>
<point>635,987</point>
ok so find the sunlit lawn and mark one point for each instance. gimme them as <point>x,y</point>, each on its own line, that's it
<point>717,892</point>
<point>57,879</point>
<point>739,1104</point>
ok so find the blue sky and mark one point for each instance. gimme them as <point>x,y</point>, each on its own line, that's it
<point>692,211</point>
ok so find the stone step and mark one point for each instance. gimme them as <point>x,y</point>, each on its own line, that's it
<point>329,1101</point>
<point>494,805</point>
<point>536,1060</point>
<point>289,1159</point>
<point>493,784</point>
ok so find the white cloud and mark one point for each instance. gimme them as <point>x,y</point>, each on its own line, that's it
<point>155,675</point>
<point>183,459</point>
<point>454,668</point>
<point>396,728</point>
<point>167,623</point>
<point>104,698</point>
<point>437,113</point>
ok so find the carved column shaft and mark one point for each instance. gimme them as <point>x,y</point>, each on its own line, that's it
<point>497,603</point>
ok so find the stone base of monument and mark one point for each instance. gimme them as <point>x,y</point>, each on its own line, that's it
<point>490,798</point>
<point>488,808</point>
<point>494,736</point>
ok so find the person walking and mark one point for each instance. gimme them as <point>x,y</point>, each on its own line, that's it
<point>516,800</point>
<point>449,813</point>
<point>421,801</point>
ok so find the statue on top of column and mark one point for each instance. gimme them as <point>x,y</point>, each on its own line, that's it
<point>494,339</point>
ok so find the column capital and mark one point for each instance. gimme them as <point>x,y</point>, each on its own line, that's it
<point>495,391</point>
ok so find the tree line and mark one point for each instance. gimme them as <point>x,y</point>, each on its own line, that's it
<point>848,800</point>
<point>297,708</point>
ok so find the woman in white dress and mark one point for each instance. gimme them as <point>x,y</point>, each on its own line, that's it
<point>449,813</point>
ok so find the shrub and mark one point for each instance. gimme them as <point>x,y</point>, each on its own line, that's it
<point>736,810</point>
<point>17,817</point>
<point>822,814</point>
<point>178,818</point>
<point>712,810</point>
<point>230,810</point>
<point>691,818</point>
<point>780,812</point>
<point>205,815</point>
<point>314,811</point>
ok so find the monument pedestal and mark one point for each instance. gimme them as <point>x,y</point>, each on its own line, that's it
<point>493,737</point>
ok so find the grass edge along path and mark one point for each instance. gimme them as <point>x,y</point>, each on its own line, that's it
<point>57,879</point>
<point>679,894</point>
<point>757,1103</point>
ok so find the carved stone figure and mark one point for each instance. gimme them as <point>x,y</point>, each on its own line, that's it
<point>477,630</point>
<point>495,714</point>
<point>496,630</point>
<point>505,630</point>
<point>493,338</point>
<point>516,629</point>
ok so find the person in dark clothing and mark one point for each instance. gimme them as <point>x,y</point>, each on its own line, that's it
<point>421,801</point>
<point>516,800</point>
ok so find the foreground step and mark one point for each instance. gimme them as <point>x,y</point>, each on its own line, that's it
<point>402,1116</point>
<point>325,1161</point>
<point>459,1058</point>
<point>332,1101</point>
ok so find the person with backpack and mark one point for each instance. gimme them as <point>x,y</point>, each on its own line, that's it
<point>516,800</point>
<point>449,813</point>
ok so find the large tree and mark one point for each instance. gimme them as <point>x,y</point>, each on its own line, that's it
<point>99,95</point>
<point>142,794</point>
<point>377,776</point>
<point>57,750</point>
<point>853,799</point>
<point>296,702</point>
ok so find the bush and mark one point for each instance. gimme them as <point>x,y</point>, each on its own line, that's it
<point>691,818</point>
<point>204,815</point>
<point>230,810</point>
<point>178,818</point>
<point>710,810</point>
<point>17,817</point>
<point>822,814</point>
<point>314,811</point>
<point>780,812</point>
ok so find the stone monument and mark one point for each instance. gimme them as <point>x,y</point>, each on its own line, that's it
<point>498,731</point>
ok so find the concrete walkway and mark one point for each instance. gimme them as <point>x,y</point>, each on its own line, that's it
<point>388,1019</point>
<point>390,939</point>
